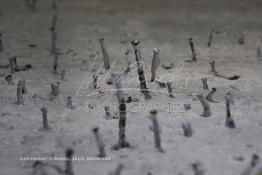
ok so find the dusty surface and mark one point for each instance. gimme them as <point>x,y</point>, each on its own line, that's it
<point>166,25</point>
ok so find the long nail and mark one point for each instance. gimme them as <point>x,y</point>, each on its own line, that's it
<point>156,130</point>
<point>106,58</point>
<point>99,142</point>
<point>155,63</point>
<point>141,76</point>
<point>122,141</point>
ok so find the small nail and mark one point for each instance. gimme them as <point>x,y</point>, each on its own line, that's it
<point>205,105</point>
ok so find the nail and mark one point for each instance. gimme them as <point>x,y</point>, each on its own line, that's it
<point>156,130</point>
<point>99,142</point>
<point>118,170</point>
<point>205,106</point>
<point>187,129</point>
<point>122,141</point>
<point>252,166</point>
<point>155,63</point>
<point>167,66</point>
<point>170,91</point>
<point>16,68</point>
<point>69,164</point>
<point>241,40</point>
<point>63,75</point>
<point>24,90</point>
<point>209,96</point>
<point>9,79</point>
<point>20,99</point>
<point>229,94</point>
<point>254,160</point>
<point>192,49</point>
<point>54,21</point>
<point>187,106</point>
<point>69,102</point>
<point>38,168</point>
<point>128,68</point>
<point>213,67</point>
<point>95,81</point>
<point>106,58</point>
<point>198,168</point>
<point>259,55</point>
<point>161,84</point>
<point>141,76</point>
<point>44,118</point>
<point>210,38</point>
<point>55,64</point>
<point>54,89</point>
<point>12,64</point>
<point>108,114</point>
<point>53,42</point>
<point>204,82</point>
<point>230,123</point>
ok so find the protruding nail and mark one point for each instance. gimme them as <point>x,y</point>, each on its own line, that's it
<point>192,47</point>
<point>156,130</point>
<point>155,63</point>
<point>44,118</point>
<point>99,142</point>
<point>106,58</point>
<point>122,141</point>
<point>20,99</point>
<point>204,82</point>
<point>205,105</point>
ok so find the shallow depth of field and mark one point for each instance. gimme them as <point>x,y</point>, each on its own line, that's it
<point>214,148</point>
